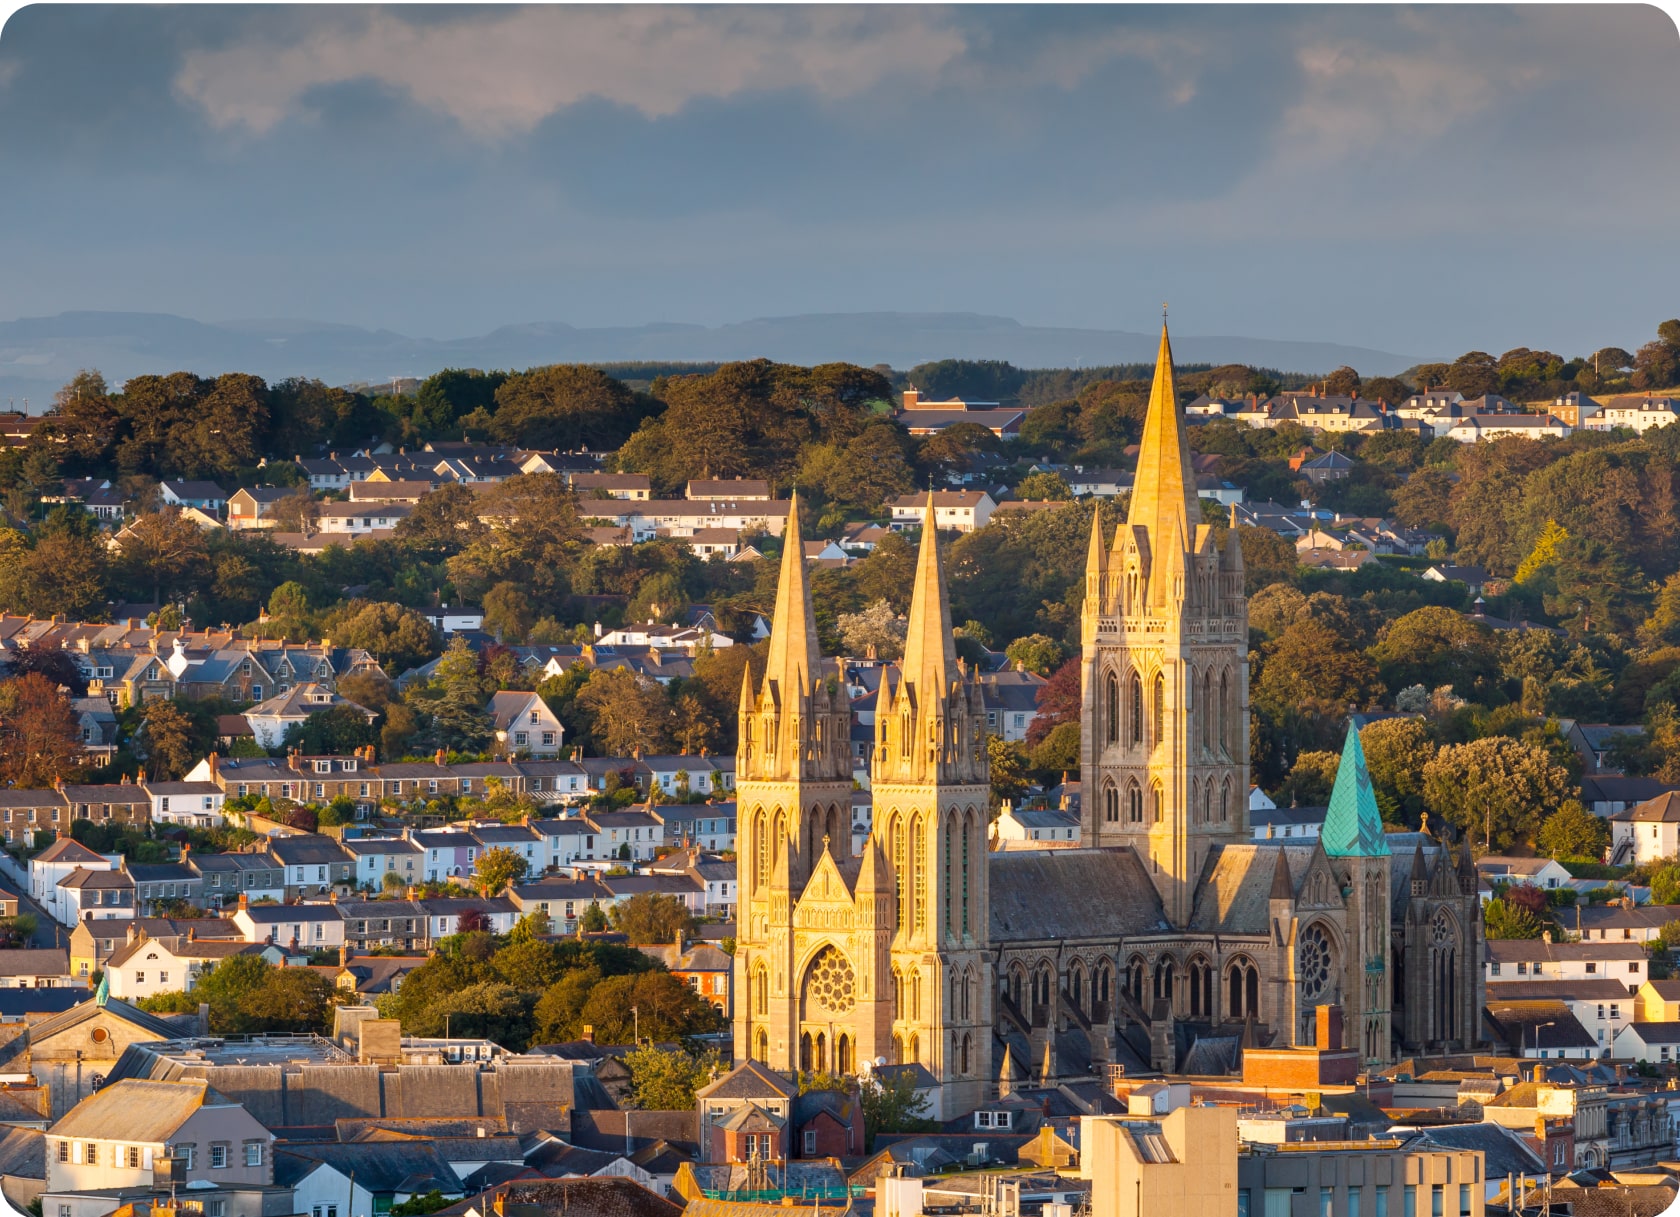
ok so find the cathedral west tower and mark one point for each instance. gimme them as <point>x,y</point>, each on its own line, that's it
<point>1164,632</point>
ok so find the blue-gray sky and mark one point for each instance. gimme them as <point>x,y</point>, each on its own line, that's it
<point>1417,179</point>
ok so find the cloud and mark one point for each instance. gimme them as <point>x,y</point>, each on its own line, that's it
<point>502,73</point>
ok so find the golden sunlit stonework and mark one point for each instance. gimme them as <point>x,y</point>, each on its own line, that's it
<point>1169,940</point>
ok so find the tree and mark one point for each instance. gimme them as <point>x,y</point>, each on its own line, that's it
<point>1057,752</point>
<point>399,638</point>
<point>1497,788</point>
<point>1310,780</point>
<point>1309,679</point>
<point>1573,832</point>
<point>335,731</point>
<point>296,512</point>
<point>876,630</point>
<point>655,1004</point>
<point>39,736</point>
<point>665,1080</point>
<point>567,406</point>
<point>1040,487</point>
<point>1343,382</point>
<point>1502,920</point>
<point>623,712</point>
<point>1396,751</point>
<point>1009,770</point>
<point>1475,374</point>
<point>1036,653</point>
<point>1058,701</point>
<point>507,613</point>
<point>294,1000</point>
<point>593,920</point>
<point>169,743</point>
<point>163,552</point>
<point>497,869</point>
<point>890,1104</point>
<point>649,917</point>
<point>1435,646</point>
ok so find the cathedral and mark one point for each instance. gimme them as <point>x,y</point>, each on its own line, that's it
<point>1169,940</point>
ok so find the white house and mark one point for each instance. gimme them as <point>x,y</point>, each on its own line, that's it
<point>206,496</point>
<point>360,519</point>
<point>56,863</point>
<point>1541,872</point>
<point>525,725</point>
<point>269,719</point>
<point>1638,416</point>
<point>193,804</point>
<point>1052,826</point>
<point>1473,427</point>
<point>313,927</point>
<point>567,840</point>
<point>629,834</point>
<point>954,510</point>
<point>377,857</point>
<point>1653,1043</point>
<point>1533,958</point>
<point>1646,832</point>
<point>144,967</point>
<point>1601,1006</point>
<point>452,619</point>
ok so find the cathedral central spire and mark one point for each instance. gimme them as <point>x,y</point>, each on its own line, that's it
<point>1164,493</point>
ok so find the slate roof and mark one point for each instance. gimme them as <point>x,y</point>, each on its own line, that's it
<point>66,850</point>
<point>1235,894</point>
<point>47,962</point>
<point>749,1080</point>
<point>379,1166</point>
<point>1045,894</point>
<point>604,1197</point>
<point>135,1110</point>
<point>1504,1152</point>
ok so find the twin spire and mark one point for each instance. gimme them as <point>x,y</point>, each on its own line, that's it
<point>1164,491</point>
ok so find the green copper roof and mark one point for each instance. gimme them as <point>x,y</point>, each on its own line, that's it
<point>1353,825</point>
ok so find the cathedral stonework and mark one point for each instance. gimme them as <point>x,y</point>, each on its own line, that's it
<point>1169,940</point>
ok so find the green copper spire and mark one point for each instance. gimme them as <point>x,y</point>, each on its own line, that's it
<point>1353,825</point>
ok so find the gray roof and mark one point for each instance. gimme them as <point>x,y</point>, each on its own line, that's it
<point>1047,894</point>
<point>135,1110</point>
<point>379,1166</point>
<point>48,962</point>
<point>1505,1152</point>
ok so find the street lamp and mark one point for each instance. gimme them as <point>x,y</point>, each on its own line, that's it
<point>1537,1027</point>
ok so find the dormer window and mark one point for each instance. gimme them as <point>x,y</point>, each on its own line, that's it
<point>323,766</point>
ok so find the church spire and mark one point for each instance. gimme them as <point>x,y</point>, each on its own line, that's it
<point>793,660</point>
<point>1164,492</point>
<point>930,649</point>
<point>1353,824</point>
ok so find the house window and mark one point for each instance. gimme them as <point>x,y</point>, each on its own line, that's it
<point>64,1151</point>
<point>134,1157</point>
<point>215,1208</point>
<point>810,1140</point>
<point>163,978</point>
<point>139,978</point>
<point>90,1154</point>
<point>218,1157</point>
<point>1591,968</point>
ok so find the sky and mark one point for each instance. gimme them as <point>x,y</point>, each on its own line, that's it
<point>1429,179</point>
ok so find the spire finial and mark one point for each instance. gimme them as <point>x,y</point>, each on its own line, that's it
<point>1163,312</point>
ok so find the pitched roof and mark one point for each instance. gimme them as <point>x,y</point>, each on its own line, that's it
<point>1045,894</point>
<point>135,1110</point>
<point>67,850</point>
<point>749,1080</point>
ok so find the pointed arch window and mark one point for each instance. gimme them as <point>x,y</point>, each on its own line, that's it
<point>919,888</point>
<point>762,840</point>
<point>1134,803</point>
<point>1225,740</point>
<point>1157,801</point>
<point>1160,710</point>
<point>946,884</point>
<point>1205,711</point>
<point>1225,802</point>
<point>968,832</point>
<point>1134,711</point>
<point>1111,804</point>
<point>1207,802</point>
<point>1111,708</point>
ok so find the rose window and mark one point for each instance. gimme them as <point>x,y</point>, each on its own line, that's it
<point>1313,963</point>
<point>832,984</point>
<point>1442,929</point>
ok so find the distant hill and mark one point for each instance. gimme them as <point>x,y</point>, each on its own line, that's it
<point>38,354</point>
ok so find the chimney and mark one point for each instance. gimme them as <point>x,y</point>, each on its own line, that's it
<point>244,900</point>
<point>192,933</point>
<point>343,954</point>
<point>441,756</point>
<point>1329,1028</point>
<point>1546,937</point>
<point>588,1033</point>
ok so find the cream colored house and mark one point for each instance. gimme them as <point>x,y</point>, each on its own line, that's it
<point>121,1135</point>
